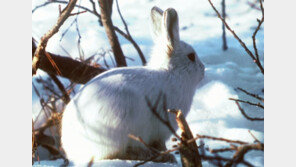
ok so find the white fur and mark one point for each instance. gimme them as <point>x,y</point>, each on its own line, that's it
<point>97,121</point>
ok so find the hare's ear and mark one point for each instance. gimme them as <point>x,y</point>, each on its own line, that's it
<point>156,18</point>
<point>171,28</point>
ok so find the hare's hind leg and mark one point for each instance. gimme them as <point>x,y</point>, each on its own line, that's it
<point>160,146</point>
<point>144,153</point>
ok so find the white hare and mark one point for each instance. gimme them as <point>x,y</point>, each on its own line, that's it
<point>97,121</point>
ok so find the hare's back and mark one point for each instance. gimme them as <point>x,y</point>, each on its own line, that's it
<point>128,80</point>
<point>120,89</point>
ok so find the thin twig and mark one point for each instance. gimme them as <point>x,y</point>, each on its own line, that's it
<point>130,37</point>
<point>220,139</point>
<point>91,162</point>
<point>240,41</point>
<point>94,12</point>
<point>222,150</point>
<point>43,42</point>
<point>225,47</point>
<point>139,139</point>
<point>219,158</point>
<point>156,156</point>
<point>257,29</point>
<point>62,2</point>
<point>69,68</point>
<point>241,152</point>
<point>255,138</point>
<point>77,13</point>
<point>253,5</point>
<point>153,109</point>
<point>251,94</point>
<point>248,102</point>
<point>61,87</point>
<point>245,115</point>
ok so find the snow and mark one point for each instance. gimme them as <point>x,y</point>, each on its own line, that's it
<point>211,113</point>
<point>104,163</point>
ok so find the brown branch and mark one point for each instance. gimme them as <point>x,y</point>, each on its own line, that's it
<point>61,2</point>
<point>129,37</point>
<point>153,109</point>
<point>188,148</point>
<point>94,12</point>
<point>91,162</point>
<point>247,102</point>
<point>218,158</point>
<point>189,151</point>
<point>257,29</point>
<point>222,150</point>
<point>225,47</point>
<point>241,151</point>
<point>245,115</point>
<point>106,12</point>
<point>158,153</point>
<point>258,63</point>
<point>256,140</point>
<point>34,144</point>
<point>54,65</point>
<point>253,5</point>
<point>220,139</point>
<point>77,13</point>
<point>139,139</point>
<point>251,94</point>
<point>156,156</point>
<point>43,42</point>
<point>74,70</point>
<point>66,98</point>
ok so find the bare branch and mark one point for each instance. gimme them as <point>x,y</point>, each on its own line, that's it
<point>256,140</point>
<point>247,102</point>
<point>253,5</point>
<point>61,87</point>
<point>74,70</point>
<point>153,109</point>
<point>251,94</point>
<point>221,139</point>
<point>129,37</point>
<point>139,139</point>
<point>61,2</point>
<point>77,13</point>
<point>225,47</point>
<point>219,158</point>
<point>156,156</point>
<point>43,42</point>
<point>94,12</point>
<point>241,151</point>
<point>240,41</point>
<point>91,162</point>
<point>106,12</point>
<point>245,115</point>
<point>222,150</point>
<point>189,151</point>
<point>257,29</point>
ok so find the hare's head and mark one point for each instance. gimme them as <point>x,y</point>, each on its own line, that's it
<point>170,52</point>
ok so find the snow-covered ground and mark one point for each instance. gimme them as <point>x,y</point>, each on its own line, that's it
<point>211,113</point>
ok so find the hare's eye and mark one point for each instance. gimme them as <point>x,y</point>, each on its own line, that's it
<point>191,57</point>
